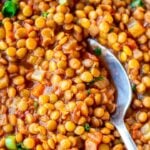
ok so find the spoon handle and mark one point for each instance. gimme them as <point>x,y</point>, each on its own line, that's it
<point>126,137</point>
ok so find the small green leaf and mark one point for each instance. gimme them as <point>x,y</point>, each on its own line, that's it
<point>45,14</point>
<point>20,146</point>
<point>133,87</point>
<point>95,79</point>
<point>87,127</point>
<point>89,91</point>
<point>136,3</point>
<point>97,51</point>
<point>99,78</point>
<point>36,104</point>
<point>10,8</point>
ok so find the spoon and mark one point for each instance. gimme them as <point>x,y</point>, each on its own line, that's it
<point>124,92</point>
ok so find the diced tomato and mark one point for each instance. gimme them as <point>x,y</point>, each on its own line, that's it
<point>131,43</point>
<point>136,134</point>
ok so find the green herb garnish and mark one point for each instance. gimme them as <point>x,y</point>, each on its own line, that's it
<point>36,104</point>
<point>136,3</point>
<point>89,91</point>
<point>95,80</point>
<point>133,87</point>
<point>20,146</point>
<point>10,8</point>
<point>87,127</point>
<point>45,14</point>
<point>98,78</point>
<point>97,51</point>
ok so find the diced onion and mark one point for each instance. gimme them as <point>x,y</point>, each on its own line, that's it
<point>38,75</point>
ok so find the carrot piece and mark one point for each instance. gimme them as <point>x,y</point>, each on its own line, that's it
<point>96,137</point>
<point>37,90</point>
<point>131,43</point>
<point>90,145</point>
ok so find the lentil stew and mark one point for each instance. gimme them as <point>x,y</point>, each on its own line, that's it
<point>54,93</point>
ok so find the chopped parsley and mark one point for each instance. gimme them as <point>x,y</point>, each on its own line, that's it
<point>98,78</point>
<point>136,3</point>
<point>97,51</point>
<point>89,91</point>
<point>87,127</point>
<point>10,8</point>
<point>133,87</point>
<point>95,80</point>
<point>20,146</point>
<point>45,14</point>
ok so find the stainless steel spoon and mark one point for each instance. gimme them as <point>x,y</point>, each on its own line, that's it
<point>124,92</point>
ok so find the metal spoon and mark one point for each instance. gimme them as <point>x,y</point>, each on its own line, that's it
<point>124,92</point>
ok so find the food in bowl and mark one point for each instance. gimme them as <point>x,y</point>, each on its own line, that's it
<point>54,93</point>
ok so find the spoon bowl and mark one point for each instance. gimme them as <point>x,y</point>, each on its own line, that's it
<point>124,91</point>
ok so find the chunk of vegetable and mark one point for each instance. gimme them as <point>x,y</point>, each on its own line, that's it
<point>135,28</point>
<point>4,81</point>
<point>38,75</point>
<point>10,8</point>
<point>45,14</point>
<point>136,3</point>
<point>10,142</point>
<point>37,90</point>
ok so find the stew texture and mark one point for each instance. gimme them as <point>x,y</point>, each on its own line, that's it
<point>57,95</point>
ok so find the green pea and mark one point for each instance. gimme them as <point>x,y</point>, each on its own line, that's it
<point>10,142</point>
<point>10,8</point>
